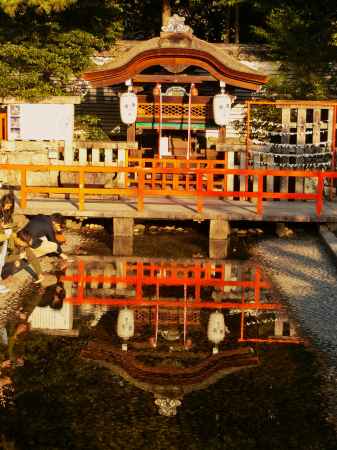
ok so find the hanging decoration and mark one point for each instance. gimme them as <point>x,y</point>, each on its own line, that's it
<point>292,156</point>
<point>128,103</point>
<point>222,105</point>
<point>217,329</point>
<point>125,325</point>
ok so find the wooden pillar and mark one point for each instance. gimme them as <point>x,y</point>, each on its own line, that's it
<point>243,165</point>
<point>230,178</point>
<point>285,138</point>
<point>256,165</point>
<point>221,135</point>
<point>301,129</point>
<point>131,133</point>
<point>166,12</point>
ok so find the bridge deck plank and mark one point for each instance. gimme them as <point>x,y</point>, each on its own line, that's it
<point>184,208</point>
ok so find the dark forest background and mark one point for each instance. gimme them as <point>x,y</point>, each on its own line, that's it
<point>46,44</point>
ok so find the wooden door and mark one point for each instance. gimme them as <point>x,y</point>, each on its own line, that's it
<point>3,125</point>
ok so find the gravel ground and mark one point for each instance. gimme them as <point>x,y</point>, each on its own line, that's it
<point>305,275</point>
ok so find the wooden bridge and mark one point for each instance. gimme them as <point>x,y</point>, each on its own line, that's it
<point>164,189</point>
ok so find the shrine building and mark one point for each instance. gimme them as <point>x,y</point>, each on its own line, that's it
<point>177,85</point>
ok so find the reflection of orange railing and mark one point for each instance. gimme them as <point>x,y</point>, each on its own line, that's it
<point>198,179</point>
<point>140,274</point>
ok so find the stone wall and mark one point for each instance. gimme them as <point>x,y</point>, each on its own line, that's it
<point>26,152</point>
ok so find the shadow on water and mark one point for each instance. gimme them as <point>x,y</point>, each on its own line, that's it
<point>163,354</point>
<point>166,239</point>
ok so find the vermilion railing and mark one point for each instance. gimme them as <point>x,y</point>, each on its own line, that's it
<point>138,274</point>
<point>250,289</point>
<point>199,179</point>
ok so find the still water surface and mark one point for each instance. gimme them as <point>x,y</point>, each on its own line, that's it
<point>162,353</point>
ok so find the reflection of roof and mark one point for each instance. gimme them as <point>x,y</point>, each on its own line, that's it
<point>174,49</point>
<point>186,379</point>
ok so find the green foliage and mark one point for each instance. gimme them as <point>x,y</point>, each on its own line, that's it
<point>88,127</point>
<point>210,19</point>
<point>302,36</point>
<point>46,45</point>
<point>11,7</point>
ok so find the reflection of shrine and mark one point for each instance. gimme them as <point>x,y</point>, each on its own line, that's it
<point>173,327</point>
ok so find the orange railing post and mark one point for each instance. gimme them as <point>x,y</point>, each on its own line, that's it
<point>141,186</point>
<point>259,208</point>
<point>319,201</point>
<point>81,189</point>
<point>23,200</point>
<point>199,192</point>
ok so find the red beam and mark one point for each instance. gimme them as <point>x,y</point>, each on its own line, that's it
<point>172,303</point>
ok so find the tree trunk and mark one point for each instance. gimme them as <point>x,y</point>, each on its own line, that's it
<point>226,32</point>
<point>166,12</point>
<point>237,25</point>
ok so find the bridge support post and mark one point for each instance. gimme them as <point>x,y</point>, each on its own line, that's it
<point>122,246</point>
<point>218,249</point>
<point>219,231</point>
<point>122,236</point>
<point>122,226</point>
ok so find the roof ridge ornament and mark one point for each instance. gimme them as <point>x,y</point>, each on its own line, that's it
<point>176,24</point>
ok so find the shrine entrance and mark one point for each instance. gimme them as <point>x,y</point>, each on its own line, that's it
<point>172,81</point>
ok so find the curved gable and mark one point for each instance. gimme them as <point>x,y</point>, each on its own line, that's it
<point>176,49</point>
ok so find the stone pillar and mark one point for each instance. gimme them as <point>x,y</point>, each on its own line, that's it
<point>122,226</point>
<point>219,229</point>
<point>218,249</point>
<point>122,236</point>
<point>68,153</point>
<point>123,246</point>
<point>122,159</point>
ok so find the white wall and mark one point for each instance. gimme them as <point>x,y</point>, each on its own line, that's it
<point>46,122</point>
<point>52,319</point>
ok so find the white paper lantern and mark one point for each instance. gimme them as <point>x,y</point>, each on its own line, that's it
<point>128,103</point>
<point>217,329</point>
<point>222,104</point>
<point>125,323</point>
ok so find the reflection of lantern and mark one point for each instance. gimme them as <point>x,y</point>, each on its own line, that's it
<point>222,104</point>
<point>217,329</point>
<point>128,107</point>
<point>125,325</point>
